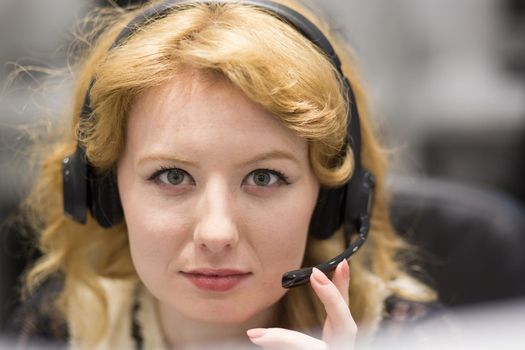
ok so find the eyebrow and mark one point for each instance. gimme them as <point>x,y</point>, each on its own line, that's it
<point>166,158</point>
<point>275,154</point>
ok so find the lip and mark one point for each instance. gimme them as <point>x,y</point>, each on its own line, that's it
<point>216,280</point>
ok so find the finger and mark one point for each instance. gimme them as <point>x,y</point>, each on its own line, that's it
<point>341,279</point>
<point>281,338</point>
<point>337,310</point>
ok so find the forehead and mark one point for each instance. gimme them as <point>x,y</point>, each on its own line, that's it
<point>192,112</point>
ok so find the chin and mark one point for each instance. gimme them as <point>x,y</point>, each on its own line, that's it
<point>233,313</point>
<point>230,312</point>
<point>217,318</point>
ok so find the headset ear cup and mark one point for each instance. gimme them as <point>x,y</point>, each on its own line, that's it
<point>105,200</point>
<point>75,186</point>
<point>329,212</point>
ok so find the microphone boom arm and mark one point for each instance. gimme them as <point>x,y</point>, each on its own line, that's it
<point>302,276</point>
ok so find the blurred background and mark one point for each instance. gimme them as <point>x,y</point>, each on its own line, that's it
<point>447,83</point>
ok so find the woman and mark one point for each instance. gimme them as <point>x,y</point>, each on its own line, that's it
<point>209,133</point>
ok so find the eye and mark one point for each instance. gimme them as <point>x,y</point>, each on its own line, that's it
<point>266,178</point>
<point>173,177</point>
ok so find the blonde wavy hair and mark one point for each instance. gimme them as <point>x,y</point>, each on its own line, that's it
<point>276,67</point>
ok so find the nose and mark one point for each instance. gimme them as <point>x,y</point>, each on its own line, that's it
<point>216,229</point>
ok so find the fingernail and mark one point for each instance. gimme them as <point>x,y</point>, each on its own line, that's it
<point>320,277</point>
<point>256,332</point>
<point>345,269</point>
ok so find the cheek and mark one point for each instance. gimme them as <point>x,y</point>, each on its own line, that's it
<point>281,235</point>
<point>151,234</point>
<point>156,235</point>
<point>149,220</point>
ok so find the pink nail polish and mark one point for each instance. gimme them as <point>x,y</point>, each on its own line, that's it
<point>256,332</point>
<point>345,269</point>
<point>320,277</point>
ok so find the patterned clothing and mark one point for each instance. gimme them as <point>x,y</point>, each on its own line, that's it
<point>38,321</point>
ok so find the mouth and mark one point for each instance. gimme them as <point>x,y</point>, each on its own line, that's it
<point>215,280</point>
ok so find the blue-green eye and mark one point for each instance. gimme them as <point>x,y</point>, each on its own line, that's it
<point>262,178</point>
<point>173,177</point>
<point>265,178</point>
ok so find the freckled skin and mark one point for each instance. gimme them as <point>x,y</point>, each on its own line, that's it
<point>219,216</point>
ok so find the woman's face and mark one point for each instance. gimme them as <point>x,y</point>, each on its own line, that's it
<point>217,197</point>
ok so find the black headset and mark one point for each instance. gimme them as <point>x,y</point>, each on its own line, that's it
<point>348,205</point>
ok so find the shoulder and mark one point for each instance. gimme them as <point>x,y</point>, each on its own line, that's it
<point>37,319</point>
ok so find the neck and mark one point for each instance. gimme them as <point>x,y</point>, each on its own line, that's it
<point>182,331</point>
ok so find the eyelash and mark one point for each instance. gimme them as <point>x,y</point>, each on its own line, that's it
<point>282,178</point>
<point>155,176</point>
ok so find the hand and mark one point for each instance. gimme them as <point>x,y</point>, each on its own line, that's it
<point>339,331</point>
